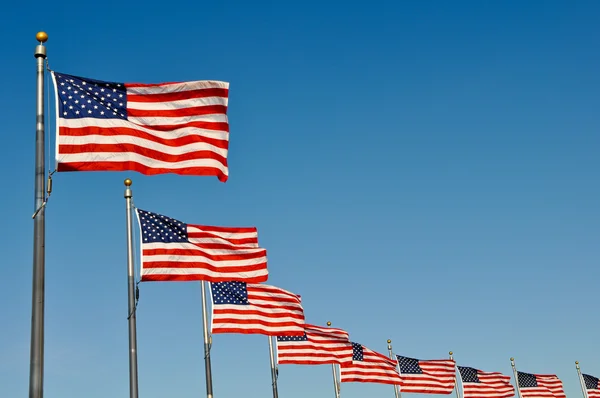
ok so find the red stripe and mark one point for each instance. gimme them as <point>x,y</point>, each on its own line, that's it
<point>195,111</point>
<point>260,309</point>
<point>255,321</point>
<point>140,150</point>
<point>177,96</point>
<point>132,132</point>
<point>197,264</point>
<point>140,168</point>
<point>232,230</point>
<point>199,252</point>
<point>254,331</point>
<point>188,278</point>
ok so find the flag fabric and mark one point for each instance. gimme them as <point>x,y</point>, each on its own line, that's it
<point>592,386</point>
<point>436,376</point>
<point>540,386</point>
<point>368,366</point>
<point>179,128</point>
<point>319,345</point>
<point>240,307</point>
<point>479,384</point>
<point>176,251</point>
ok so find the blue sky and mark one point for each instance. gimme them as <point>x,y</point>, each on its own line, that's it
<point>421,171</point>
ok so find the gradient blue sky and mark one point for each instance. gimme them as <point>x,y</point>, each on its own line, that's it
<point>424,171</point>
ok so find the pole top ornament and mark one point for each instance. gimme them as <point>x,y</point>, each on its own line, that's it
<point>42,37</point>
<point>127,182</point>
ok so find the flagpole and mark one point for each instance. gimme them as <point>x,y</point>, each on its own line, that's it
<point>455,378</point>
<point>391,352</point>
<point>336,384</point>
<point>207,366</point>
<point>36,354</point>
<point>583,389</point>
<point>273,368</point>
<point>514,368</point>
<point>131,293</point>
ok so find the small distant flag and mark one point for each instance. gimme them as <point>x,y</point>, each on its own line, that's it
<point>368,366</point>
<point>175,251</point>
<point>239,307</point>
<point>436,376</point>
<point>477,383</point>
<point>592,386</point>
<point>319,345</point>
<point>179,128</point>
<point>540,386</point>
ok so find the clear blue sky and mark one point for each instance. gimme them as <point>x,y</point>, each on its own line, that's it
<point>424,171</point>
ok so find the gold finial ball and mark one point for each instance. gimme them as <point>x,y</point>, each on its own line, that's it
<point>512,359</point>
<point>127,182</point>
<point>576,362</point>
<point>41,37</point>
<point>450,353</point>
<point>389,341</point>
<point>328,323</point>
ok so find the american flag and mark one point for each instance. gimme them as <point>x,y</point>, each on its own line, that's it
<point>239,307</point>
<point>179,128</point>
<point>318,345</point>
<point>176,251</point>
<point>479,384</point>
<point>368,366</point>
<point>540,386</point>
<point>592,386</point>
<point>435,376</point>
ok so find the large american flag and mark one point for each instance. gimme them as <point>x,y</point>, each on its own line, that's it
<point>318,345</point>
<point>179,128</point>
<point>592,386</point>
<point>435,376</point>
<point>540,386</point>
<point>175,251</point>
<point>368,366</point>
<point>246,308</point>
<point>479,384</point>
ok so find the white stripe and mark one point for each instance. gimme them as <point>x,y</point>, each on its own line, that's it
<point>128,139</point>
<point>202,272</point>
<point>200,259</point>
<point>116,123</point>
<point>191,246</point>
<point>222,234</point>
<point>266,329</point>
<point>174,121</point>
<point>179,104</point>
<point>266,317</point>
<point>148,162</point>
<point>177,87</point>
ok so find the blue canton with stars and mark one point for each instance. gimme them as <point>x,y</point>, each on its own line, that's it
<point>527,380</point>
<point>357,352</point>
<point>230,293</point>
<point>159,228</point>
<point>292,338</point>
<point>409,365</point>
<point>468,375</point>
<point>591,382</point>
<point>81,97</point>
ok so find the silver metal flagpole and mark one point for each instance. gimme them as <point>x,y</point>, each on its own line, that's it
<point>36,354</point>
<point>391,352</point>
<point>207,343</point>
<point>455,378</point>
<point>581,381</point>
<point>336,384</point>
<point>273,368</point>
<point>512,363</point>
<point>131,292</point>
